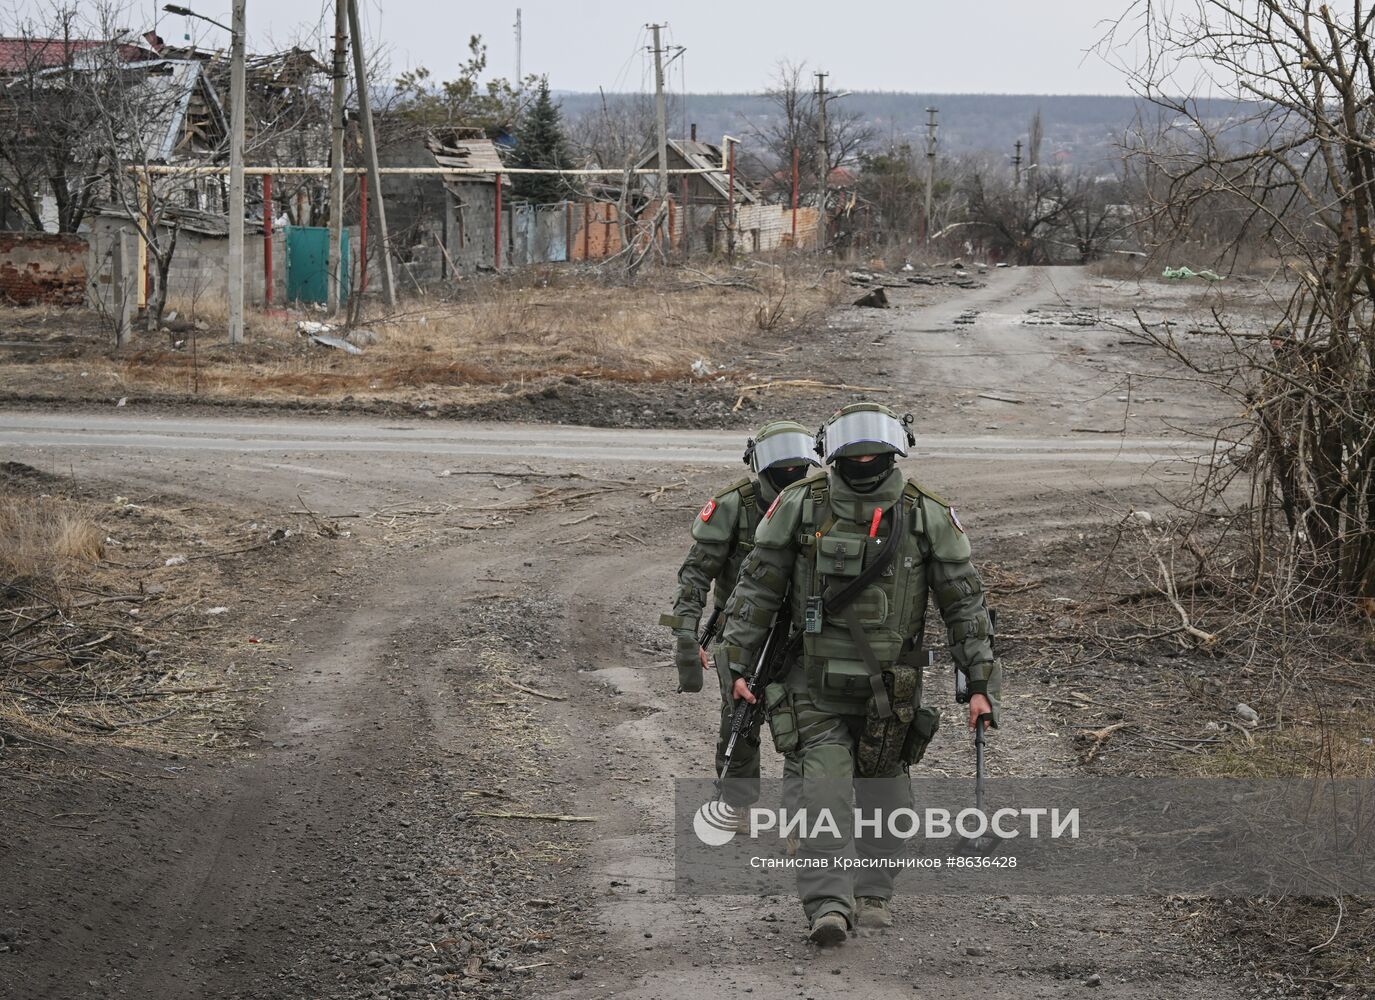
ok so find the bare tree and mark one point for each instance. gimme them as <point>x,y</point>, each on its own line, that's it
<point>793,122</point>
<point>1023,223</point>
<point>46,121</point>
<point>617,132</point>
<point>1298,162</point>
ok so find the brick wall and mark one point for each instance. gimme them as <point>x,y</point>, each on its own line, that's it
<point>42,267</point>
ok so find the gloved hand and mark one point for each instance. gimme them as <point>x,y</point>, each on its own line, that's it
<point>688,657</point>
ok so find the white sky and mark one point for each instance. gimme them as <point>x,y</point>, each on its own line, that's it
<point>942,46</point>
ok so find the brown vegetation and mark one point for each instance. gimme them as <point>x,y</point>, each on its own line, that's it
<point>490,332</point>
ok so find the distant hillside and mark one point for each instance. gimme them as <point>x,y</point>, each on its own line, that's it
<point>1082,130</point>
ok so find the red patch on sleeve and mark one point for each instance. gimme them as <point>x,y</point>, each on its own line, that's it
<point>707,510</point>
<point>773,506</point>
<point>873,526</point>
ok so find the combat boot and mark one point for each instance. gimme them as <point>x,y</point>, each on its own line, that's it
<point>829,929</point>
<point>870,911</point>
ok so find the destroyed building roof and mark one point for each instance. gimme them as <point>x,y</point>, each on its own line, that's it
<point>702,156</point>
<point>465,148</point>
<point>191,220</point>
<point>164,110</point>
<point>182,109</point>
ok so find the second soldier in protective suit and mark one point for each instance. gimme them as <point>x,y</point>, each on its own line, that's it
<point>781,453</point>
<point>856,552</point>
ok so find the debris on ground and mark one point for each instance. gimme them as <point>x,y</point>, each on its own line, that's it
<point>338,343</point>
<point>952,278</point>
<point>1184,273</point>
<point>875,299</point>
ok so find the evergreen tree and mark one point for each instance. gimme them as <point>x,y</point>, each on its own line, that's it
<point>540,142</point>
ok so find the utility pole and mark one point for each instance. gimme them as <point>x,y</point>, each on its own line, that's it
<point>339,69</point>
<point>518,41</point>
<point>930,172</point>
<point>660,119</point>
<point>1017,165</point>
<point>823,156</point>
<point>370,150</point>
<point>236,199</point>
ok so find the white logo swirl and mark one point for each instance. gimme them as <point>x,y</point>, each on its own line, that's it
<point>715,824</point>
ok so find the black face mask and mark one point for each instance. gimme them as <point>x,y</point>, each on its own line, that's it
<point>781,477</point>
<point>864,477</point>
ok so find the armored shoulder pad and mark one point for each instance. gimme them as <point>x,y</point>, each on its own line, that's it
<point>778,530</point>
<point>715,522</point>
<point>943,530</point>
<point>735,487</point>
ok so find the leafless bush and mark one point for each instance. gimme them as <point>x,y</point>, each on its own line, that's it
<point>1293,172</point>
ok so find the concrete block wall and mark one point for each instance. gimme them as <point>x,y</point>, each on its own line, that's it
<point>760,228</point>
<point>43,268</point>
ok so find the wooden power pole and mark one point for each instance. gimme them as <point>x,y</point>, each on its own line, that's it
<point>930,172</point>
<point>660,122</point>
<point>823,157</point>
<point>370,150</point>
<point>339,71</point>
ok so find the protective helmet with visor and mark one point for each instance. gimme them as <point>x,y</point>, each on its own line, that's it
<point>783,451</point>
<point>864,429</point>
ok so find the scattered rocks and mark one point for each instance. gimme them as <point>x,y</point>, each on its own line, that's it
<point>875,299</point>
<point>1247,714</point>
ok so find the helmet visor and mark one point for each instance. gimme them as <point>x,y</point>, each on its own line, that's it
<point>787,448</point>
<point>863,427</point>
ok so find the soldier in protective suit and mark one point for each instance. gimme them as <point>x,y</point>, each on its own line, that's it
<point>781,453</point>
<point>856,551</point>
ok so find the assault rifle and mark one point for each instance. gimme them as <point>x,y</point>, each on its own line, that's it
<point>780,646</point>
<point>709,633</point>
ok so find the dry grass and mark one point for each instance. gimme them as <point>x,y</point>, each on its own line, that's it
<point>102,639</point>
<point>47,538</point>
<point>1333,747</point>
<point>490,331</point>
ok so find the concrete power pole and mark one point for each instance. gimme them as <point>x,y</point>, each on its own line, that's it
<point>1017,164</point>
<point>660,118</point>
<point>518,53</point>
<point>823,157</point>
<point>370,150</point>
<point>234,293</point>
<point>930,172</point>
<point>339,69</point>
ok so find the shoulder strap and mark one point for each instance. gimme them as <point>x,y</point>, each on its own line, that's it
<point>736,487</point>
<point>919,490</point>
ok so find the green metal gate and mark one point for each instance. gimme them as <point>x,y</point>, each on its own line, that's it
<point>307,264</point>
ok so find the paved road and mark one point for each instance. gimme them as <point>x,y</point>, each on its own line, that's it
<point>300,436</point>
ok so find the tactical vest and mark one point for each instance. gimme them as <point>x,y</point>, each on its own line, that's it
<point>891,610</point>
<point>745,526</point>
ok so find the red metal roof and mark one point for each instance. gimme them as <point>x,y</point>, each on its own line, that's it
<point>20,54</point>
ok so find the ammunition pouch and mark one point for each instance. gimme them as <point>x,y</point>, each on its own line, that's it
<point>782,716</point>
<point>887,724</point>
<point>920,734</point>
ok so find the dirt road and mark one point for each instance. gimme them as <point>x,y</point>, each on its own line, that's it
<point>349,855</point>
